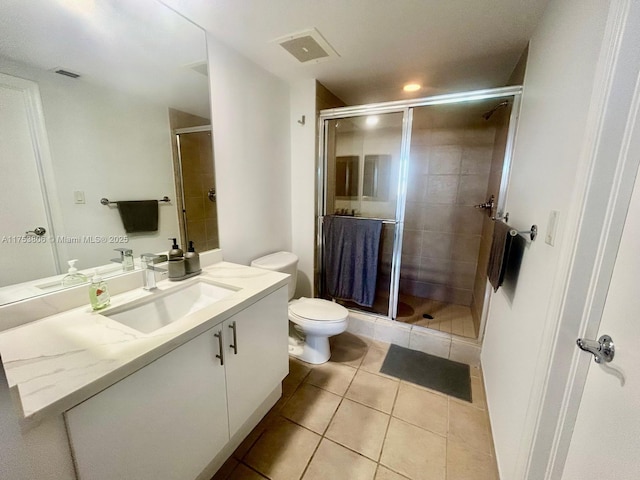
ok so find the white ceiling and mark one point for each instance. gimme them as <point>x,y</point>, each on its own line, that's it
<point>446,45</point>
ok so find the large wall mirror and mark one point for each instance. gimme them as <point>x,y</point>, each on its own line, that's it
<point>99,99</point>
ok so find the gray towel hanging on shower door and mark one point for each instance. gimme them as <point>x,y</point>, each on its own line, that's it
<point>351,248</point>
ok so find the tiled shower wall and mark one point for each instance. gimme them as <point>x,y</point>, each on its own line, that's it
<point>448,174</point>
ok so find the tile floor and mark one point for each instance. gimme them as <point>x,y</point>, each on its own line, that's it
<point>346,420</point>
<point>448,317</point>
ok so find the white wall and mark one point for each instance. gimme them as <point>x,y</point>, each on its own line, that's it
<point>547,161</point>
<point>250,121</point>
<point>106,144</point>
<point>303,181</point>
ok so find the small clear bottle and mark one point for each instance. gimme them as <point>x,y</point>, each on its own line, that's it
<point>73,277</point>
<point>99,292</point>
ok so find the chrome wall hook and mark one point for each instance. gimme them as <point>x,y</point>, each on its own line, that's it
<point>302,120</point>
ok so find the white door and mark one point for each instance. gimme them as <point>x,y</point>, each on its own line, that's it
<point>23,203</point>
<point>606,439</point>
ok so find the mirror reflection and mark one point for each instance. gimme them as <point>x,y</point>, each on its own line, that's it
<point>100,100</point>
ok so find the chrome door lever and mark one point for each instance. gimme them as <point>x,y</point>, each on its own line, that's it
<point>603,350</point>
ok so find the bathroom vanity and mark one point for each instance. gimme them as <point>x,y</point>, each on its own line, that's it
<point>95,397</point>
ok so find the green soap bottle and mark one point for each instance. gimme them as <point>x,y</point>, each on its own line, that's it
<point>98,292</point>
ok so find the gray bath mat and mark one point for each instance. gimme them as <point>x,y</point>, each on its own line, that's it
<point>428,371</point>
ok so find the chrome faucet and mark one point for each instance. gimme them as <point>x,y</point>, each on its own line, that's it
<point>126,259</point>
<point>148,270</point>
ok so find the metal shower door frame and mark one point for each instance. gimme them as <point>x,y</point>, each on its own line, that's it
<point>406,107</point>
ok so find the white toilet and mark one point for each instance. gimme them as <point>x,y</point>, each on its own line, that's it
<point>314,320</point>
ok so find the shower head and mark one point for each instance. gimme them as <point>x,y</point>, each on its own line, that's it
<point>487,115</point>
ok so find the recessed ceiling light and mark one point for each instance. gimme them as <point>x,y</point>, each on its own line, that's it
<point>412,87</point>
<point>372,120</point>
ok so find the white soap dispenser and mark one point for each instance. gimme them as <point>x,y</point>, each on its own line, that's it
<point>73,277</point>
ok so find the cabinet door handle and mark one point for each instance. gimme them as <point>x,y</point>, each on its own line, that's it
<point>234,345</point>
<point>219,337</point>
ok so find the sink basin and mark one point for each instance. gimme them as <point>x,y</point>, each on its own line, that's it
<point>162,309</point>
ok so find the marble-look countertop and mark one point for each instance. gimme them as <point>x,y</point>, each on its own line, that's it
<point>54,363</point>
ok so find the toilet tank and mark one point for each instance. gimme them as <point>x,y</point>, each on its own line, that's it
<point>285,262</point>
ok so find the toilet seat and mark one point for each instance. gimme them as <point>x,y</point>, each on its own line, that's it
<point>317,310</point>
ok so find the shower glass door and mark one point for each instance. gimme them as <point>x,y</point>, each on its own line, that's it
<point>363,178</point>
<point>422,166</point>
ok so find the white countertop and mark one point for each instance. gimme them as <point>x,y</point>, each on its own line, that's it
<point>54,363</point>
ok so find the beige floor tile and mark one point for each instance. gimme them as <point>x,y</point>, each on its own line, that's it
<point>283,451</point>
<point>373,390</point>
<point>348,349</point>
<point>445,326</point>
<point>469,426</point>
<point>298,368</point>
<point>464,463</point>
<point>477,393</point>
<point>422,408</point>
<point>225,470</point>
<point>332,377</point>
<point>242,472</point>
<point>374,358</point>
<point>359,428</point>
<point>297,372</point>
<point>414,452</point>
<point>457,326</point>
<point>470,330</point>
<point>475,372</point>
<point>311,407</point>
<point>333,461</point>
<point>384,473</point>
<point>253,436</point>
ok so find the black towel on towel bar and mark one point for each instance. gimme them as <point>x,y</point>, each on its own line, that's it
<point>499,257</point>
<point>139,215</point>
<point>351,248</point>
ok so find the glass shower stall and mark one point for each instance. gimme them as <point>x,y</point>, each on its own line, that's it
<point>435,172</point>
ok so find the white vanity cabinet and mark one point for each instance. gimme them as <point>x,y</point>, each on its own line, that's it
<point>260,360</point>
<point>171,418</point>
<point>165,421</point>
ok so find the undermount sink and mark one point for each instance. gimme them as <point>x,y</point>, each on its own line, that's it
<point>162,309</point>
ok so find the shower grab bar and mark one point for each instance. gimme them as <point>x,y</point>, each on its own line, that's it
<point>105,201</point>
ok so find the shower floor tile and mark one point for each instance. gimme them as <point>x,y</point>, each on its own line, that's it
<point>447,317</point>
<point>382,428</point>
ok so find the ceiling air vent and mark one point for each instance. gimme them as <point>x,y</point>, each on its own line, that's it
<point>66,73</point>
<point>307,46</point>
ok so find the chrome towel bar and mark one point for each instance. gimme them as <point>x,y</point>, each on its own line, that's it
<point>105,201</point>
<point>533,233</point>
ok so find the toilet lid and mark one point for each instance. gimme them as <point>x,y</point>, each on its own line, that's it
<point>318,309</point>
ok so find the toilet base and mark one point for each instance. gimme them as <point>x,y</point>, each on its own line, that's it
<point>312,349</point>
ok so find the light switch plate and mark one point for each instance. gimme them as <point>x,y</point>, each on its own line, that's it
<point>78,196</point>
<point>552,227</point>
